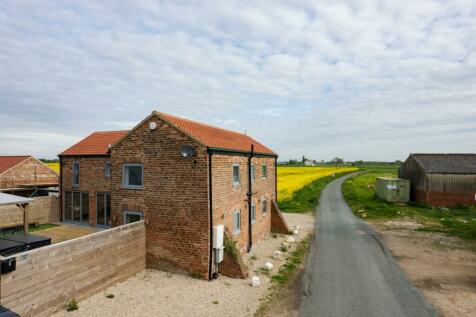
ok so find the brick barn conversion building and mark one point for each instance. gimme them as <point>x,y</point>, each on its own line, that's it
<point>441,179</point>
<point>183,178</point>
<point>24,175</point>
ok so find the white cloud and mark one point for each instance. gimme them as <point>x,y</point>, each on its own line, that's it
<point>366,79</point>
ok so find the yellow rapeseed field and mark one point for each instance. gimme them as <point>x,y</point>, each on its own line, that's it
<point>54,166</point>
<point>291,179</point>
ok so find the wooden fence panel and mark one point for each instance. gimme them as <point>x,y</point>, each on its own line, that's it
<point>47,278</point>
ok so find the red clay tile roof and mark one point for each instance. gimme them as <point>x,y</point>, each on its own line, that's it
<point>6,162</point>
<point>214,137</point>
<point>96,143</point>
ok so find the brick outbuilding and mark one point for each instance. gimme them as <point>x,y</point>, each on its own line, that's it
<point>18,173</point>
<point>182,177</point>
<point>441,179</point>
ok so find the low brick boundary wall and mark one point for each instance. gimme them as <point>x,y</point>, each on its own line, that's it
<point>42,210</point>
<point>46,279</point>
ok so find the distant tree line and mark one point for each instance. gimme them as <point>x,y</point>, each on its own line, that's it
<point>49,161</point>
<point>336,161</point>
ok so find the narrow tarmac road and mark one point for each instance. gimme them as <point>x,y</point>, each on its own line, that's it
<point>350,272</point>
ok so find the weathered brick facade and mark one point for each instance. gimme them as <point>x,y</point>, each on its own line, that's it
<point>445,199</point>
<point>29,172</point>
<point>175,197</point>
<point>92,179</point>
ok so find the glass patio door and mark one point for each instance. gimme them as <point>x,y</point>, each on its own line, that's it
<point>103,209</point>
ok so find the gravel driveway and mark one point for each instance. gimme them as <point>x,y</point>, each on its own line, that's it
<point>155,293</point>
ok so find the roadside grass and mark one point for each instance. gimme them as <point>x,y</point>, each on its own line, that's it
<point>293,261</point>
<point>359,191</point>
<point>306,199</point>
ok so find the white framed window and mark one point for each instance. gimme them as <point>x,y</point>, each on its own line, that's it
<point>253,213</point>
<point>107,169</point>
<point>264,171</point>
<point>75,173</point>
<point>132,216</point>
<point>264,206</point>
<point>133,176</point>
<point>253,173</point>
<point>236,222</point>
<point>236,174</point>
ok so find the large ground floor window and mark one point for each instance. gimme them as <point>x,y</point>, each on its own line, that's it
<point>103,209</point>
<point>76,206</point>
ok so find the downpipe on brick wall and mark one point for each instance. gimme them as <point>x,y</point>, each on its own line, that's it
<point>250,202</point>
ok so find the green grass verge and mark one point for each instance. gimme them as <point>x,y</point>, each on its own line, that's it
<point>42,227</point>
<point>285,273</point>
<point>460,222</point>
<point>306,199</point>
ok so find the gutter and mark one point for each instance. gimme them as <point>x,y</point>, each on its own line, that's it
<point>210,191</point>
<point>250,195</point>
<point>242,153</point>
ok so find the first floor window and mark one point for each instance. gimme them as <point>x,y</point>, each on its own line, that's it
<point>236,175</point>
<point>264,207</point>
<point>107,169</point>
<point>253,213</point>
<point>133,176</point>
<point>132,216</point>
<point>253,173</point>
<point>236,222</point>
<point>264,171</point>
<point>75,173</point>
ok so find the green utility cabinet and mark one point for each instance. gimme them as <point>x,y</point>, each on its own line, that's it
<point>395,190</point>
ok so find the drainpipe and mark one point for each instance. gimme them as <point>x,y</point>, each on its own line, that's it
<point>276,179</point>
<point>210,153</point>
<point>250,195</point>
<point>61,188</point>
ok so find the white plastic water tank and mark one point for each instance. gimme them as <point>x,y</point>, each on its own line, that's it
<point>218,232</point>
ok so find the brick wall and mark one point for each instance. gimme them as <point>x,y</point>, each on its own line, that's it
<point>29,172</point>
<point>227,197</point>
<point>91,179</point>
<point>445,199</point>
<point>42,210</point>
<point>174,199</point>
<point>46,279</point>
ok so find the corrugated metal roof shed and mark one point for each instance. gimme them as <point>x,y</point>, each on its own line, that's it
<point>447,163</point>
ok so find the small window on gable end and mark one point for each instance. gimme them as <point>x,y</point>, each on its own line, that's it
<point>107,169</point>
<point>253,172</point>
<point>264,171</point>
<point>236,222</point>
<point>236,174</point>
<point>264,206</point>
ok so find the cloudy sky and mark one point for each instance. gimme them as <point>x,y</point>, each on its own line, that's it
<point>371,80</point>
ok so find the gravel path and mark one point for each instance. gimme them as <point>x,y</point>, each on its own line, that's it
<point>155,293</point>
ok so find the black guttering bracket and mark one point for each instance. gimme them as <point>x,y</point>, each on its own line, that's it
<point>250,195</point>
<point>210,191</point>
